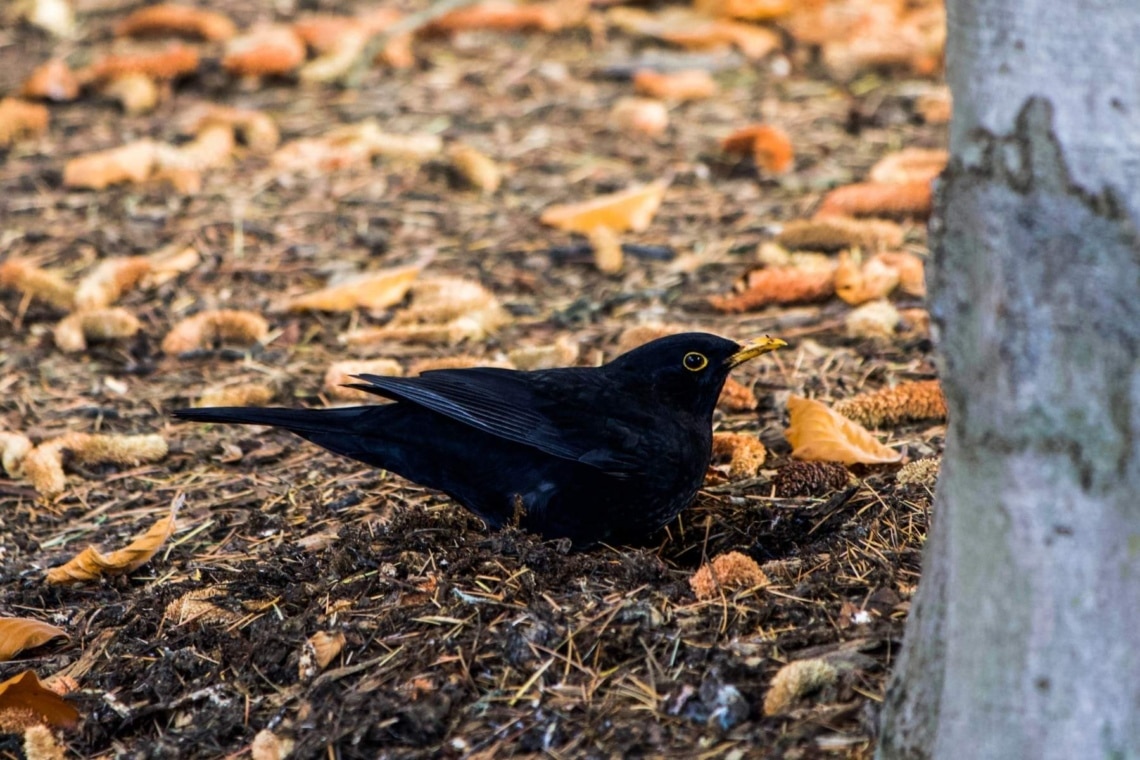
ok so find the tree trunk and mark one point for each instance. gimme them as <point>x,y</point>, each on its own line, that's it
<point>1024,637</point>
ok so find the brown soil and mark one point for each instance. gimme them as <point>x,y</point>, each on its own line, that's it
<point>459,642</point>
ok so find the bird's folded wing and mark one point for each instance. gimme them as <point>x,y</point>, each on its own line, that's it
<point>503,403</point>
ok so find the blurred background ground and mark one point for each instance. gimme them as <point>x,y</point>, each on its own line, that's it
<point>457,642</point>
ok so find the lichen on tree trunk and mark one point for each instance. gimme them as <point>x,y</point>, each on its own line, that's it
<point>1022,638</point>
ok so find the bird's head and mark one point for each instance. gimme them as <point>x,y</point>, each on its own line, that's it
<point>688,370</point>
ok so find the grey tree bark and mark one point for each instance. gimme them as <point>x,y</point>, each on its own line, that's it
<point>1024,637</point>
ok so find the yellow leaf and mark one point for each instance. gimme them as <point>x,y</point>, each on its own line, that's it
<point>91,564</point>
<point>24,693</point>
<point>375,290</point>
<point>817,433</point>
<point>18,634</point>
<point>630,210</point>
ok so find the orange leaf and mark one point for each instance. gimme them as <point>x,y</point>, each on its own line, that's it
<point>51,81</point>
<point>24,693</point>
<point>630,210</point>
<point>18,634</point>
<point>817,433</point>
<point>373,290</point>
<point>91,564</point>
<point>770,147</point>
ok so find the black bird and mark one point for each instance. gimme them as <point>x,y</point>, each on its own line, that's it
<point>593,454</point>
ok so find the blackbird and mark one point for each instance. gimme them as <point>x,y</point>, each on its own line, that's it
<point>592,454</point>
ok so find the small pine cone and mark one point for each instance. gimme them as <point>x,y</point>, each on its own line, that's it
<point>810,479</point>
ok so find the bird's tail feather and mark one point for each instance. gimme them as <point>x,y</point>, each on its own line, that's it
<point>299,421</point>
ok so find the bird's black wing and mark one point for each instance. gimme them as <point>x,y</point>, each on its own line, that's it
<point>511,405</point>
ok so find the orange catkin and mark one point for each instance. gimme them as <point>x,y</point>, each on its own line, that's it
<point>693,84</point>
<point>915,400</point>
<point>182,20</point>
<point>177,60</point>
<point>779,285</point>
<point>892,199</point>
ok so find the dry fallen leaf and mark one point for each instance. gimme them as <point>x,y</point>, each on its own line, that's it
<point>819,434</point>
<point>477,169</point>
<point>629,210</point>
<point>53,80</point>
<point>90,564</point>
<point>769,146</point>
<point>23,693</point>
<point>371,290</point>
<point>19,634</point>
<point>443,310</point>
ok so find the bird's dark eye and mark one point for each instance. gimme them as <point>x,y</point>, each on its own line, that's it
<point>695,362</point>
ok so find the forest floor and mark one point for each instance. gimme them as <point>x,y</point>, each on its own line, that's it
<point>457,642</point>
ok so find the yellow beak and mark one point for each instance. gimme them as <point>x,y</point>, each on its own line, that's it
<point>754,348</point>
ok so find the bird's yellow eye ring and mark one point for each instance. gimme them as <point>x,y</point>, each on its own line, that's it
<point>695,362</point>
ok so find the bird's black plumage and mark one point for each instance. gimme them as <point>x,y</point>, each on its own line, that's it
<point>594,454</point>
